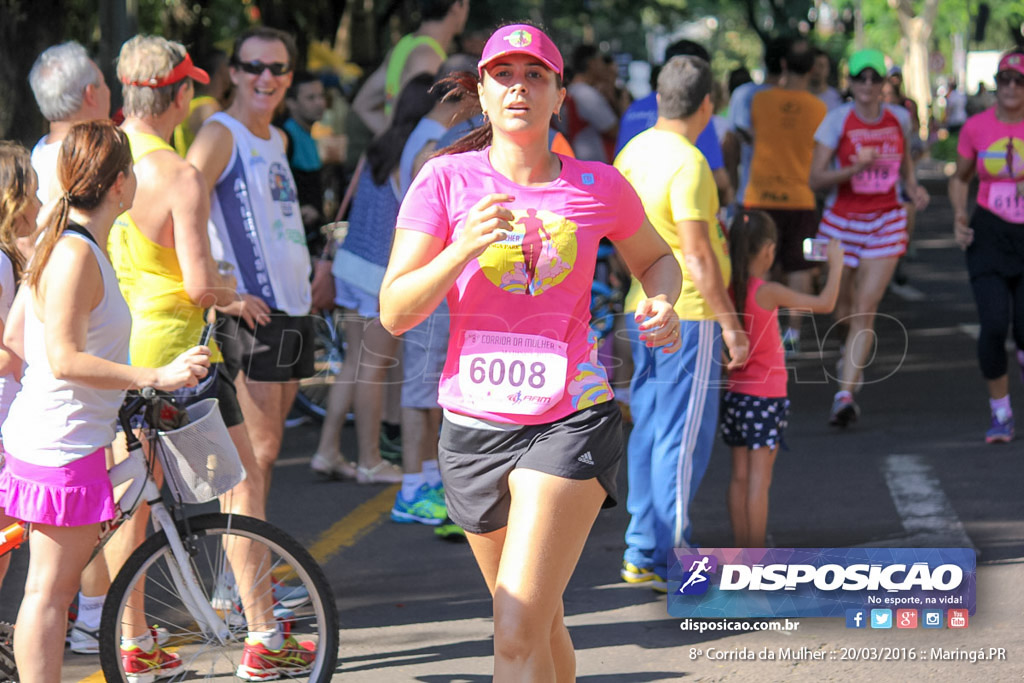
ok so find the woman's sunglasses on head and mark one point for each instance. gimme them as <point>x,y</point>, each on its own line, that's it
<point>257,68</point>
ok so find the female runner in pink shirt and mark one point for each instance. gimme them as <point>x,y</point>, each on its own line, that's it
<point>991,144</point>
<point>531,439</point>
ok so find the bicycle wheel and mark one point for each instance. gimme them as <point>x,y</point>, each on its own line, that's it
<point>8,669</point>
<point>302,599</point>
<point>312,396</point>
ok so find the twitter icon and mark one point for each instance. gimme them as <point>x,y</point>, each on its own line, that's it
<point>881,618</point>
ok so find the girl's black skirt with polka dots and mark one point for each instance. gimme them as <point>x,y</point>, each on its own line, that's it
<point>754,421</point>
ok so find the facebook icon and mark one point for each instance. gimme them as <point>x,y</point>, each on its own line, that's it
<point>856,618</point>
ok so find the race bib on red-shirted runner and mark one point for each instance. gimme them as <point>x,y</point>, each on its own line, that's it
<point>1004,201</point>
<point>520,374</point>
<point>877,178</point>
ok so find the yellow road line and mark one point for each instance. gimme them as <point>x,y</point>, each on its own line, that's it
<point>344,533</point>
<point>355,525</point>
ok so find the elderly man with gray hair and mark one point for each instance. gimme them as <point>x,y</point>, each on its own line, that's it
<point>69,88</point>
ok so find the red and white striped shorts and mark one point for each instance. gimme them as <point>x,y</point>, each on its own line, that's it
<point>866,236</point>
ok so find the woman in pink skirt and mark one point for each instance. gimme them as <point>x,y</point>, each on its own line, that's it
<point>19,208</point>
<point>76,328</point>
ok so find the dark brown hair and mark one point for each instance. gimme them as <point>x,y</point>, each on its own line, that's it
<point>384,152</point>
<point>750,231</point>
<point>91,157</point>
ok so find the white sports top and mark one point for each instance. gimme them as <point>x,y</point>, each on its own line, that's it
<point>54,422</point>
<point>255,222</point>
<point>8,385</point>
<point>44,161</point>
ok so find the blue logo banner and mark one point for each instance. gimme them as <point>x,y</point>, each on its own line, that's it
<point>818,582</point>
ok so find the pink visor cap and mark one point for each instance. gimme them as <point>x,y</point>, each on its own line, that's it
<point>521,39</point>
<point>1011,62</point>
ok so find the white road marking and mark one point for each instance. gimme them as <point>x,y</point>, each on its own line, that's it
<point>927,514</point>
<point>906,292</point>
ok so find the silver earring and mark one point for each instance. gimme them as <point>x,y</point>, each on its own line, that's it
<point>120,205</point>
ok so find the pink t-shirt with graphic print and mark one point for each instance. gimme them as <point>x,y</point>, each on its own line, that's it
<point>998,151</point>
<point>521,351</point>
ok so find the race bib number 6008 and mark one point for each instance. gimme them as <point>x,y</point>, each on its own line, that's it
<point>519,374</point>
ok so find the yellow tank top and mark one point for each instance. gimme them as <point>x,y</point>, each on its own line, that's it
<point>183,134</point>
<point>165,321</point>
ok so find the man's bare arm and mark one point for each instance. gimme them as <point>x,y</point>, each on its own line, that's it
<point>190,212</point>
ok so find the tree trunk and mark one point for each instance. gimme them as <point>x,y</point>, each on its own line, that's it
<point>917,29</point>
<point>916,77</point>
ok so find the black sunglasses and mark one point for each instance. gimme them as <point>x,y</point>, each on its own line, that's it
<point>864,77</point>
<point>257,68</point>
<point>1007,77</point>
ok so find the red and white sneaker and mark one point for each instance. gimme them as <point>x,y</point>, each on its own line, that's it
<point>259,663</point>
<point>146,667</point>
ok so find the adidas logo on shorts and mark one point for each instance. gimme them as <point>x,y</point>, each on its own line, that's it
<point>586,459</point>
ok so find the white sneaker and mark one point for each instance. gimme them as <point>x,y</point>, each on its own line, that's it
<point>82,640</point>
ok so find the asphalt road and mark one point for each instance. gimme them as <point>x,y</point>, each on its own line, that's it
<point>914,472</point>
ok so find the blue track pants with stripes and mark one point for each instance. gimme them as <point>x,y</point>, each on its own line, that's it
<point>674,403</point>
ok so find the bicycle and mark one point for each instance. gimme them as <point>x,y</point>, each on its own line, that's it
<point>181,574</point>
<point>329,346</point>
<point>328,354</point>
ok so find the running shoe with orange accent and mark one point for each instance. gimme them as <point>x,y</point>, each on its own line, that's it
<point>260,663</point>
<point>145,667</point>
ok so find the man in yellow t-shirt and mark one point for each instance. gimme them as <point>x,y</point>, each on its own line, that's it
<point>673,397</point>
<point>783,120</point>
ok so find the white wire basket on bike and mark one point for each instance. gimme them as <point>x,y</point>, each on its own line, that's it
<point>200,460</point>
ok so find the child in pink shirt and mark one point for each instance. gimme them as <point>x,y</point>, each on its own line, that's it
<point>755,407</point>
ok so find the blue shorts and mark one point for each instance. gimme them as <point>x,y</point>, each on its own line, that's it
<point>754,421</point>
<point>348,295</point>
<point>424,350</point>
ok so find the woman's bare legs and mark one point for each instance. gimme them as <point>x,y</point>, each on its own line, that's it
<point>870,280</point>
<point>59,554</point>
<point>527,566</point>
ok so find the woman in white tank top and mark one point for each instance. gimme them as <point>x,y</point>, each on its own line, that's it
<point>75,344</point>
<point>19,208</point>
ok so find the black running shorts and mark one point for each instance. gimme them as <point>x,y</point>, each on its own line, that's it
<point>475,462</point>
<point>279,351</point>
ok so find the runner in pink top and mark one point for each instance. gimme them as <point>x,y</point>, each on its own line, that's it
<point>536,368</point>
<point>531,440</point>
<point>992,145</point>
<point>861,152</point>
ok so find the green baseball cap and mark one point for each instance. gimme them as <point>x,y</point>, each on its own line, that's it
<point>867,59</point>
